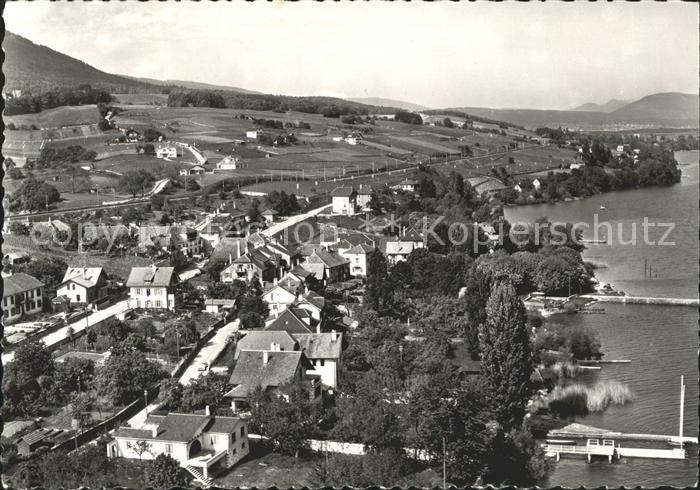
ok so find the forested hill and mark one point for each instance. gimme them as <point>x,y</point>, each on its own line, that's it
<point>328,106</point>
<point>34,68</point>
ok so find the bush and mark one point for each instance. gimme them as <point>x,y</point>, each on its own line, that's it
<point>580,399</point>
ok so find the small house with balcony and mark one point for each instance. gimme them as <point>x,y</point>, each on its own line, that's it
<point>198,442</point>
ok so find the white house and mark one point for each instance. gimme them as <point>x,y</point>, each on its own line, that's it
<point>151,287</point>
<point>229,162</point>
<point>217,306</point>
<point>166,152</point>
<point>517,188</point>
<point>82,285</point>
<point>343,200</point>
<point>400,248</point>
<point>323,350</point>
<point>408,185</point>
<point>193,170</point>
<point>364,196</point>
<point>21,295</point>
<point>278,298</point>
<point>269,215</point>
<point>351,140</point>
<point>536,184</point>
<point>198,442</point>
<point>254,134</point>
<point>357,256</point>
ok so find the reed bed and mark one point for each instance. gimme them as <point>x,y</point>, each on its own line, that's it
<point>580,399</point>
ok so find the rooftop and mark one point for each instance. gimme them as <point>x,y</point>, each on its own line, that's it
<point>20,283</point>
<point>150,277</point>
<point>251,370</point>
<point>342,192</point>
<point>260,340</point>
<point>288,322</point>
<point>320,345</point>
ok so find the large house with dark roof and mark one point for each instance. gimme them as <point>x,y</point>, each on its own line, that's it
<point>152,287</point>
<point>291,321</point>
<point>21,295</point>
<point>82,285</point>
<point>197,441</point>
<point>328,267</point>
<point>274,372</point>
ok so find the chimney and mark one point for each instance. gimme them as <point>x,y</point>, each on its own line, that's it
<point>266,357</point>
<point>207,411</point>
<point>238,247</point>
<point>318,328</point>
<point>154,431</point>
<point>334,335</point>
<point>274,347</point>
<point>274,281</point>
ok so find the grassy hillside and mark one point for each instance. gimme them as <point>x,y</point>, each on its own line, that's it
<point>58,117</point>
<point>662,107</point>
<point>32,67</point>
<point>193,85</point>
<point>407,106</point>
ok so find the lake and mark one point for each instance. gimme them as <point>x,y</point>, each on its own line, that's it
<point>661,341</point>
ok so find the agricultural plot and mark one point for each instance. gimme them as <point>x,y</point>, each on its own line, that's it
<point>141,99</point>
<point>58,117</point>
<point>160,168</point>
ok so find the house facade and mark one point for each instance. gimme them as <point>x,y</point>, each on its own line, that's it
<point>343,200</point>
<point>82,285</point>
<point>21,295</point>
<point>166,152</point>
<point>327,266</point>
<point>357,256</point>
<point>279,297</point>
<point>151,287</point>
<point>324,353</point>
<point>198,442</point>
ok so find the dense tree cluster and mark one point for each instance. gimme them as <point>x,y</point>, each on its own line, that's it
<point>32,103</point>
<point>136,182</point>
<point>33,195</point>
<point>285,204</point>
<point>408,117</point>
<point>328,106</point>
<point>58,157</point>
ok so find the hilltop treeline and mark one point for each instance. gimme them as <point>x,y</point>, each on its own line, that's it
<point>37,102</point>
<point>471,118</point>
<point>328,106</point>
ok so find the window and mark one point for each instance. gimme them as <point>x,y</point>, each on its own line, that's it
<point>168,449</point>
<point>148,291</point>
<point>243,445</point>
<point>213,440</point>
<point>234,451</point>
<point>233,437</point>
<point>77,298</point>
<point>157,303</point>
<point>321,362</point>
<point>138,291</point>
<point>242,431</point>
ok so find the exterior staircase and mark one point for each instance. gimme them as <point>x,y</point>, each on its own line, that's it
<point>206,482</point>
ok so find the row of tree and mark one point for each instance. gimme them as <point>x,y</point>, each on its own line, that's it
<point>32,103</point>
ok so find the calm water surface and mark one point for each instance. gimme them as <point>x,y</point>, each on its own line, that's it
<point>661,341</point>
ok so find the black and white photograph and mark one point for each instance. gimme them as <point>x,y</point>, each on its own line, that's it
<point>350,244</point>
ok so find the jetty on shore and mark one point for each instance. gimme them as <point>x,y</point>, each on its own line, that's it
<point>604,298</point>
<point>580,431</point>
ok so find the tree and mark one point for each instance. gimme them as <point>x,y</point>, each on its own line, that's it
<point>49,270</point>
<point>205,391</point>
<point>377,287</point>
<point>165,472</point>
<point>288,423</point>
<point>139,447</point>
<point>126,374</point>
<point>170,394</point>
<point>33,195</point>
<point>31,368</point>
<point>506,362</point>
<point>135,181</point>
<point>91,337</point>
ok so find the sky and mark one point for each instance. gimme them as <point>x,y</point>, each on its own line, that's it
<point>443,54</point>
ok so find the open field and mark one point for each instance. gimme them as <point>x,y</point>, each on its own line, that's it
<point>141,99</point>
<point>58,117</point>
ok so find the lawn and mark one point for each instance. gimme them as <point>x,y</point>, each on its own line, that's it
<point>270,470</point>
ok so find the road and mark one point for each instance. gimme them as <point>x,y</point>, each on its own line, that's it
<point>207,354</point>
<point>281,226</point>
<point>77,326</point>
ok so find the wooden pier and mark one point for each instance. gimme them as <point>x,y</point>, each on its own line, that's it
<point>578,431</point>
<point>592,448</point>
<point>642,300</point>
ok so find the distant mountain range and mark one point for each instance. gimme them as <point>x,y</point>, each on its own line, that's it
<point>671,109</point>
<point>407,106</point>
<point>609,106</point>
<point>33,67</point>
